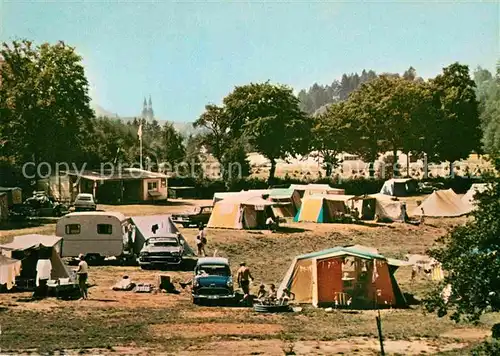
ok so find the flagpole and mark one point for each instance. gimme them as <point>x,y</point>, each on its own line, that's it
<point>140,143</point>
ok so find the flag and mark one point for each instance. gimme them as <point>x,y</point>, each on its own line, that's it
<point>139,132</point>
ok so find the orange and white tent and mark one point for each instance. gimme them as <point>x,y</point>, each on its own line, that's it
<point>240,212</point>
<point>353,276</point>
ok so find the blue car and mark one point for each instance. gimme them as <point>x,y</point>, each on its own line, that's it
<point>212,280</point>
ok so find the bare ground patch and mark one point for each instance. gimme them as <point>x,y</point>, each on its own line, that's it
<point>213,329</point>
<point>467,334</point>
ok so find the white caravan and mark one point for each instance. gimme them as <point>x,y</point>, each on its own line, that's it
<point>99,234</point>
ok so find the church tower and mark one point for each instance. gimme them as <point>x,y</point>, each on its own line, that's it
<point>144,113</point>
<point>151,114</point>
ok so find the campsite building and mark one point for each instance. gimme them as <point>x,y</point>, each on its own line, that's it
<point>241,212</point>
<point>352,276</point>
<point>127,185</point>
<point>443,203</point>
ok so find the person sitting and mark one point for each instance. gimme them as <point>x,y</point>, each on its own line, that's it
<point>273,293</point>
<point>285,297</point>
<point>270,224</point>
<point>262,294</point>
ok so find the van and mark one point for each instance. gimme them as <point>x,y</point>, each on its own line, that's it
<point>98,234</point>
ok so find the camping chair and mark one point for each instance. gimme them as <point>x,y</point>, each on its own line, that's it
<point>342,299</point>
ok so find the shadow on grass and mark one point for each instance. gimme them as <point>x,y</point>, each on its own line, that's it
<point>291,230</point>
<point>411,300</point>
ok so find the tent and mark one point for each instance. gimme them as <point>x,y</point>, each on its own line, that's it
<point>240,212</point>
<point>443,203</point>
<point>261,193</point>
<point>389,209</point>
<point>322,208</point>
<point>10,268</point>
<point>28,249</point>
<point>287,202</point>
<point>468,198</point>
<point>313,189</point>
<point>353,276</point>
<point>143,230</point>
<point>399,187</point>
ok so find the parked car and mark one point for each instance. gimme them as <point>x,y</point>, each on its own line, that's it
<point>161,251</point>
<point>45,205</point>
<point>212,280</point>
<point>85,201</point>
<point>429,187</point>
<point>200,214</point>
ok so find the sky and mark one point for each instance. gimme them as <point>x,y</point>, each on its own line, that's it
<point>188,54</point>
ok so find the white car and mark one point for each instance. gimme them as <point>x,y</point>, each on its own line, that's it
<point>85,201</point>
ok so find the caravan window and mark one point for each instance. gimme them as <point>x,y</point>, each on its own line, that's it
<point>72,229</point>
<point>104,229</point>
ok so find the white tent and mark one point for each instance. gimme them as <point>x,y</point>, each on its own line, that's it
<point>399,187</point>
<point>443,203</point>
<point>475,188</point>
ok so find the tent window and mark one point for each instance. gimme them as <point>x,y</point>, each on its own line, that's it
<point>104,229</point>
<point>72,229</point>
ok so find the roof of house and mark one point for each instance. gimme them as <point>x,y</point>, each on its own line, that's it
<point>110,175</point>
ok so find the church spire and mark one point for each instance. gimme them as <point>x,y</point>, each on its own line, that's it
<point>144,108</point>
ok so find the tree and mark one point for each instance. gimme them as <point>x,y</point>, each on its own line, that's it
<point>410,74</point>
<point>459,127</point>
<point>330,136</point>
<point>389,113</point>
<point>44,95</point>
<point>470,255</point>
<point>269,116</point>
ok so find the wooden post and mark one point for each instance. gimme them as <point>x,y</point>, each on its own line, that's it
<point>380,336</point>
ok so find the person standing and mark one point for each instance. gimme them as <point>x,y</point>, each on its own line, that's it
<point>83,274</point>
<point>201,241</point>
<point>244,278</point>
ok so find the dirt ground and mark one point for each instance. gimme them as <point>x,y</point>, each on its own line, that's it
<point>129,323</point>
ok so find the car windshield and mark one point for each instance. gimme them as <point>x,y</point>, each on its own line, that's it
<point>164,243</point>
<point>214,270</point>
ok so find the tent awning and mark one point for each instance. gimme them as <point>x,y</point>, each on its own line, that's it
<point>25,242</point>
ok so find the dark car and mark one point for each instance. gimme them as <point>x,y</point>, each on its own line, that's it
<point>200,215</point>
<point>161,251</point>
<point>212,280</point>
<point>44,205</point>
<point>429,187</point>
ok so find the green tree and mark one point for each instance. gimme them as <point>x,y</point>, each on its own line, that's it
<point>44,95</point>
<point>470,255</point>
<point>389,114</point>
<point>331,134</point>
<point>270,117</point>
<point>459,127</point>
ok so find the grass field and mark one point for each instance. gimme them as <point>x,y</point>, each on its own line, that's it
<point>129,323</point>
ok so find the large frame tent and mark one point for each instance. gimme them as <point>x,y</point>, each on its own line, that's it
<point>350,276</point>
<point>287,202</point>
<point>322,208</point>
<point>240,212</point>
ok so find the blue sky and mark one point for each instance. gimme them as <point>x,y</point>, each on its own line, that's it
<point>187,54</point>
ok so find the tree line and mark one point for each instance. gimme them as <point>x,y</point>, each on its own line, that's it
<point>45,116</point>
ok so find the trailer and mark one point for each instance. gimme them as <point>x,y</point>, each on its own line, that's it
<point>95,234</point>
